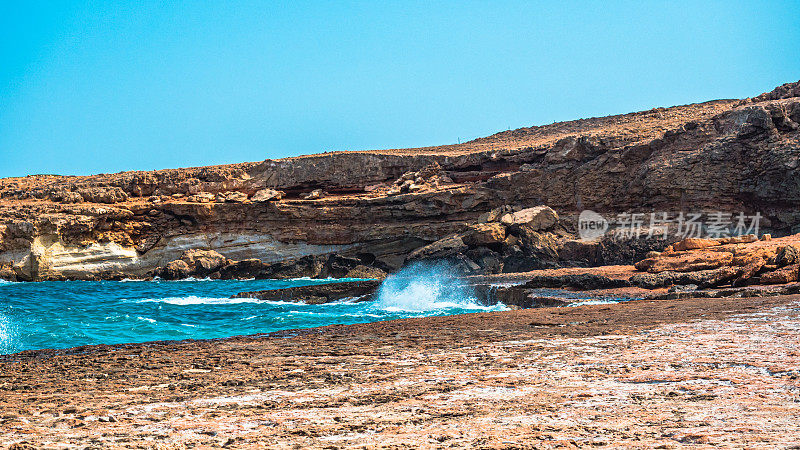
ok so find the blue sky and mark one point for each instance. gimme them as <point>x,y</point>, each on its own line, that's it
<point>91,87</point>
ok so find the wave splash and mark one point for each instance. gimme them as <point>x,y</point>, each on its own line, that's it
<point>423,287</point>
<point>6,335</point>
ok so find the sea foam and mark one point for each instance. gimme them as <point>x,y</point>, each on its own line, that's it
<point>423,287</point>
<point>195,300</point>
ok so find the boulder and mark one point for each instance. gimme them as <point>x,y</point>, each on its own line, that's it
<point>484,234</point>
<point>203,262</point>
<point>337,266</point>
<point>786,274</point>
<point>579,252</point>
<point>236,197</point>
<point>787,255</point>
<point>540,245</point>
<point>244,269</point>
<point>175,270</point>
<point>536,218</point>
<point>266,195</point>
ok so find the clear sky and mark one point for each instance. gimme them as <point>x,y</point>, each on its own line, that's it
<point>90,87</point>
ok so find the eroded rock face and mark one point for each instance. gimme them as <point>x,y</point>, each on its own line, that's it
<point>726,155</point>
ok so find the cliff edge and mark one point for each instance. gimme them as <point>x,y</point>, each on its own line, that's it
<point>332,213</point>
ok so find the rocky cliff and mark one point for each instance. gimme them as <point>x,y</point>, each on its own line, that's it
<point>373,209</point>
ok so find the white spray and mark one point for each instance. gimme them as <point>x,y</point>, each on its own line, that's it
<point>421,287</point>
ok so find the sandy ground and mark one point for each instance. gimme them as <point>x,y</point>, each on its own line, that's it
<point>645,374</point>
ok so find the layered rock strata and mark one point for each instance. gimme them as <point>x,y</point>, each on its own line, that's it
<point>723,155</point>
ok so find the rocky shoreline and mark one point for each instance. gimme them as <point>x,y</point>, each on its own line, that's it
<point>705,350</point>
<point>646,373</point>
<point>379,210</point>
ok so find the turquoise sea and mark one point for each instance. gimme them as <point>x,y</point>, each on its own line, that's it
<point>73,313</point>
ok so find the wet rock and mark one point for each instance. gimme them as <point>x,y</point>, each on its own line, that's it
<point>584,281</point>
<point>317,294</point>
<point>175,270</point>
<point>337,266</point>
<point>443,248</point>
<point>243,269</point>
<point>516,297</point>
<point>702,278</point>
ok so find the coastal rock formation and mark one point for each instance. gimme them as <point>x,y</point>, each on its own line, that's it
<point>711,263</point>
<point>317,294</point>
<point>382,206</point>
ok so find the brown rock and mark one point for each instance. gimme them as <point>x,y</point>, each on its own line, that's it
<point>786,274</point>
<point>536,218</point>
<point>176,270</point>
<point>685,262</point>
<point>366,272</point>
<point>203,261</point>
<point>693,244</point>
<point>313,195</point>
<point>484,234</point>
<point>787,255</point>
<point>443,248</point>
<point>235,197</point>
<point>748,271</point>
<point>494,215</point>
<point>743,239</point>
<point>266,195</point>
<point>201,197</point>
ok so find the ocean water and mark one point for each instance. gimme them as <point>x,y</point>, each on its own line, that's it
<point>73,313</point>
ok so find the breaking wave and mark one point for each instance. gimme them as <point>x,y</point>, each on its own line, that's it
<point>423,287</point>
<point>194,300</point>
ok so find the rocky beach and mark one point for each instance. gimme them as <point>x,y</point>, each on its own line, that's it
<point>649,264</point>
<point>641,374</point>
